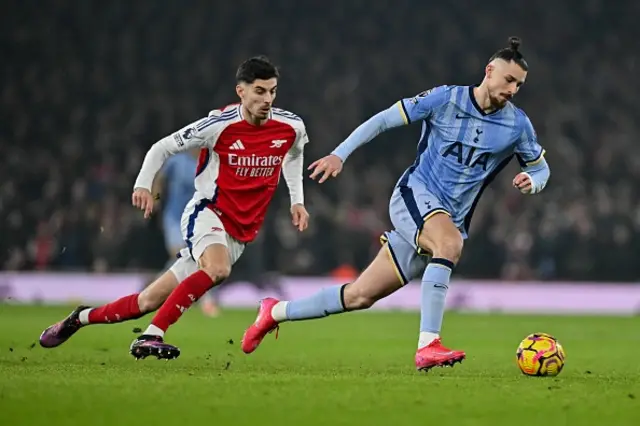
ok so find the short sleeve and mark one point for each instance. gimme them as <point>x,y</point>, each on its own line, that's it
<point>422,106</point>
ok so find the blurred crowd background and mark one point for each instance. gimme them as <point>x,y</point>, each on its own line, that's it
<point>87,87</point>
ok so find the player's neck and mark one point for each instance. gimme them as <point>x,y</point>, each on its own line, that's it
<point>482,99</point>
<point>252,119</point>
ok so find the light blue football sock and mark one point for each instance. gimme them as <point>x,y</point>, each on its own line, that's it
<point>435,283</point>
<point>324,303</point>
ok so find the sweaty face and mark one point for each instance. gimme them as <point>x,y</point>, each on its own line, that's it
<point>258,97</point>
<point>503,81</point>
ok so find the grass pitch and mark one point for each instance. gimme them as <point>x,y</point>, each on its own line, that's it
<point>345,370</point>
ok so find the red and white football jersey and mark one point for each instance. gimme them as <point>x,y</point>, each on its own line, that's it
<point>240,164</point>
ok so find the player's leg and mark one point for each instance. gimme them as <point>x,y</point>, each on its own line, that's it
<point>418,214</point>
<point>126,308</point>
<point>440,237</point>
<point>152,297</point>
<point>390,270</point>
<point>210,304</point>
<point>214,267</point>
<point>216,252</point>
<point>247,269</point>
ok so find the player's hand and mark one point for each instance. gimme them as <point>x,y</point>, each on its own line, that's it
<point>300,217</point>
<point>522,181</point>
<point>331,165</point>
<point>143,200</point>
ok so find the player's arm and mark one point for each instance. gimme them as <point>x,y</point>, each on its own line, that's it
<point>292,171</point>
<point>158,185</point>
<point>535,170</point>
<point>403,112</point>
<point>195,135</point>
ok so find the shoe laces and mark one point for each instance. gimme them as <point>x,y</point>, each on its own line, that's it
<point>276,329</point>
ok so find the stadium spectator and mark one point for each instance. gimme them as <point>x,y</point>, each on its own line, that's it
<point>87,87</point>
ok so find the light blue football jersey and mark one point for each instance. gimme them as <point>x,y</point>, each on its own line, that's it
<point>462,148</point>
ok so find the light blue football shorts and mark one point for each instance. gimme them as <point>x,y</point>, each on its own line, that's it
<point>409,208</point>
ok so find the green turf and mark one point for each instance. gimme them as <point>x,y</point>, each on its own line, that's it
<point>345,370</point>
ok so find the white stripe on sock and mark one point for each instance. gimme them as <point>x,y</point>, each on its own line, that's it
<point>426,338</point>
<point>279,311</point>
<point>152,330</point>
<point>83,316</point>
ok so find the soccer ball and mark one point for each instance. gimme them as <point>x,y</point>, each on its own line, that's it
<point>540,354</point>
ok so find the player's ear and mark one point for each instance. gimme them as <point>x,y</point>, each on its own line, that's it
<point>240,91</point>
<point>489,70</point>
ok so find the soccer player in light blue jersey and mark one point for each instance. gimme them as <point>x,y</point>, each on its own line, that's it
<point>177,177</point>
<point>469,133</point>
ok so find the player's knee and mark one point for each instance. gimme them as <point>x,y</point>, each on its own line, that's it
<point>449,247</point>
<point>215,262</point>
<point>217,272</point>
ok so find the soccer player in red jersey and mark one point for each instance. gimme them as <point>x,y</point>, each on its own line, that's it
<point>243,149</point>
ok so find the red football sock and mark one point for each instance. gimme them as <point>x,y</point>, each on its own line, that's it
<point>123,309</point>
<point>181,298</point>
